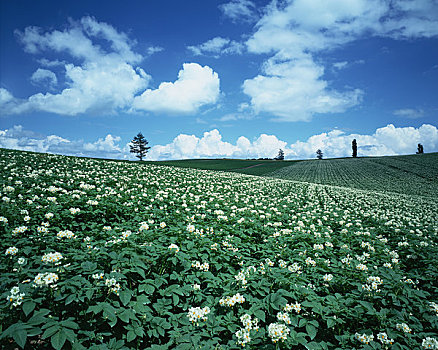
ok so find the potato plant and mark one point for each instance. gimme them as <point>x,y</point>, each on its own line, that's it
<point>118,255</point>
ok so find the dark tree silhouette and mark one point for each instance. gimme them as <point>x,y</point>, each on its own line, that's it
<point>354,146</point>
<point>280,155</point>
<point>420,149</point>
<point>139,145</point>
<point>319,154</point>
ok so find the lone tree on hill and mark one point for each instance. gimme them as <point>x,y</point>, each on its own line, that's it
<point>354,146</point>
<point>319,154</point>
<point>139,145</point>
<point>280,155</point>
<point>420,149</point>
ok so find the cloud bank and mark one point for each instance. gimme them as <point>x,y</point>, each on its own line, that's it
<point>388,140</point>
<point>108,77</point>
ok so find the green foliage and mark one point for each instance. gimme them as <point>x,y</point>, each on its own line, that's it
<point>411,175</point>
<point>150,246</point>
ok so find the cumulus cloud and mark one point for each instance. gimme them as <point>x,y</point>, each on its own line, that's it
<point>295,32</point>
<point>238,10</point>
<point>293,91</point>
<point>26,140</point>
<point>388,140</point>
<point>196,86</point>
<point>44,76</point>
<point>216,47</point>
<point>108,78</point>
<point>410,113</point>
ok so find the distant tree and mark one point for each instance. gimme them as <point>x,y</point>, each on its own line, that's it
<point>420,149</point>
<point>280,155</point>
<point>139,145</point>
<point>319,154</point>
<point>354,146</point>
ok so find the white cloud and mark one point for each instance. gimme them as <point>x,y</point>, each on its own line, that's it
<point>217,46</point>
<point>410,113</point>
<point>154,49</point>
<point>105,81</point>
<point>195,87</point>
<point>44,76</point>
<point>293,91</point>
<point>294,32</point>
<point>5,96</point>
<point>340,65</point>
<point>388,140</point>
<point>211,145</point>
<point>19,138</point>
<point>238,10</point>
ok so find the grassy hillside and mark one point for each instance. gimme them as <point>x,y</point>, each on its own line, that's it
<point>413,174</point>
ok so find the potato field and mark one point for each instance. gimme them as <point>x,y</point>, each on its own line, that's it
<point>121,255</point>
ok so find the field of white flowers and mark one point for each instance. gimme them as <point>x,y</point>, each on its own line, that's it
<point>115,255</point>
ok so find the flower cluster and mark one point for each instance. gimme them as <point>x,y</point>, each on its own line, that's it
<point>20,229</point>
<point>327,277</point>
<point>16,298</point>
<point>143,226</point>
<point>197,314</point>
<point>231,301</point>
<point>203,267</point>
<point>173,247</point>
<point>283,317</point>
<point>65,234</point>
<point>74,211</point>
<point>278,332</point>
<point>364,338</point>
<point>362,267</point>
<point>293,307</point>
<point>97,276</point>
<point>434,307</point>
<point>244,334</point>
<point>113,286</point>
<point>373,283</point>
<point>430,343</point>
<point>52,258</point>
<point>403,327</point>
<point>11,251</point>
<point>383,338</point>
<point>45,279</point>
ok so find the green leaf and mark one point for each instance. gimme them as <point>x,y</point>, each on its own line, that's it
<point>260,314</point>
<point>125,297</point>
<point>20,337</point>
<point>58,339</point>
<point>50,331</point>
<point>88,266</point>
<point>124,315</point>
<point>28,307</point>
<point>330,322</point>
<point>311,331</point>
<point>131,336</point>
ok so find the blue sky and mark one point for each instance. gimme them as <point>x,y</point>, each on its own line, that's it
<point>206,79</point>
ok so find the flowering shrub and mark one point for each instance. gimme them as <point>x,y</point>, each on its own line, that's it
<point>116,255</point>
